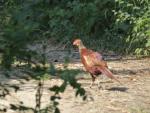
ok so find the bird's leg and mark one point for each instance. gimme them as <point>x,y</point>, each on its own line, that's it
<point>93,80</point>
<point>99,84</point>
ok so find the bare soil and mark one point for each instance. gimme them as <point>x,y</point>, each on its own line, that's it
<point>131,97</point>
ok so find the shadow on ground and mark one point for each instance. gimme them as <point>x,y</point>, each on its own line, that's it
<point>121,89</point>
<point>128,71</point>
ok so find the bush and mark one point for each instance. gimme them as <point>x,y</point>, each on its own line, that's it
<point>111,25</point>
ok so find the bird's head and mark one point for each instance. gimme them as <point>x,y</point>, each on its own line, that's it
<point>77,42</point>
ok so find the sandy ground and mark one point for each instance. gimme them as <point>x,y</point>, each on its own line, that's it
<point>131,97</point>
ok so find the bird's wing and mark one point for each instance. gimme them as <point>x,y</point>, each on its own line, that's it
<point>93,58</point>
<point>94,54</point>
<point>97,55</point>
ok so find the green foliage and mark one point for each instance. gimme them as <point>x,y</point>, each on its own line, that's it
<point>133,18</point>
<point>110,25</point>
<point>114,25</point>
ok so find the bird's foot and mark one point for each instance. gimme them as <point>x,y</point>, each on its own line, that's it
<point>91,85</point>
<point>100,87</point>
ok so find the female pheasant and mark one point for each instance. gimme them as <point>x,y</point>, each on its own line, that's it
<point>93,62</point>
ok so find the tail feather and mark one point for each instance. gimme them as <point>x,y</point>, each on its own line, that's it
<point>108,73</point>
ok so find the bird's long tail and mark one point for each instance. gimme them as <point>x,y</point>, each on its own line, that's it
<point>108,73</point>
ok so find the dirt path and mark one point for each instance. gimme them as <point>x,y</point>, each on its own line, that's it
<point>132,97</point>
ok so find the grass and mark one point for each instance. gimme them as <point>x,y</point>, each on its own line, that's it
<point>139,110</point>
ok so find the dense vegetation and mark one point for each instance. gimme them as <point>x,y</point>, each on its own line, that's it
<point>114,25</point>
<point>107,25</point>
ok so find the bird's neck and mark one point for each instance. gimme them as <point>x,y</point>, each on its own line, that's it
<point>81,46</point>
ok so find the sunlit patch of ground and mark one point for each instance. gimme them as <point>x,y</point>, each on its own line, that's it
<point>131,97</point>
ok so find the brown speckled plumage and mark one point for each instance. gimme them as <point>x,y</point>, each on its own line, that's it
<point>93,61</point>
